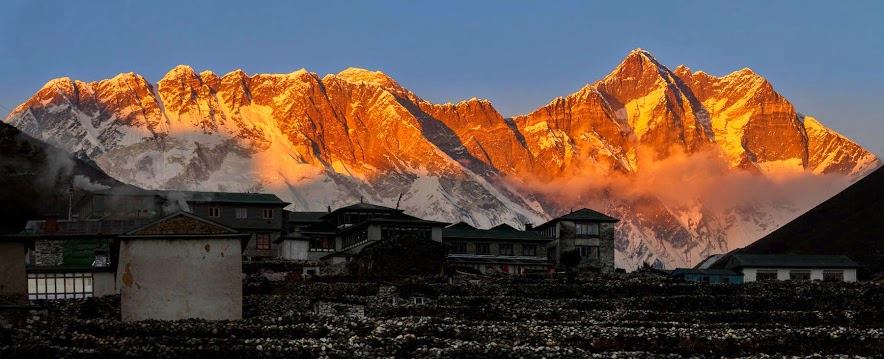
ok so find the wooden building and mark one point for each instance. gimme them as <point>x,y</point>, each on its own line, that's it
<point>502,249</point>
<point>335,237</point>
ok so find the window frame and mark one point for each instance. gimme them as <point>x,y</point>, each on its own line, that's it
<point>266,211</point>
<point>485,246</point>
<point>458,247</point>
<point>242,213</point>
<point>509,251</point>
<point>533,251</point>
<point>263,242</point>
<point>38,285</point>
<point>590,229</point>
<point>321,244</point>
<point>772,272</point>
<point>828,272</point>
<point>214,212</point>
<point>588,252</point>
<point>799,275</point>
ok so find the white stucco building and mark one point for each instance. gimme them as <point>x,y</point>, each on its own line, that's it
<point>181,267</point>
<point>760,267</point>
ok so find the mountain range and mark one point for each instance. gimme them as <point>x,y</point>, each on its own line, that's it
<point>693,164</point>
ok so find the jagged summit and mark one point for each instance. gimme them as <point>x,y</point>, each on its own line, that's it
<point>179,71</point>
<point>358,75</point>
<point>59,81</point>
<point>640,51</point>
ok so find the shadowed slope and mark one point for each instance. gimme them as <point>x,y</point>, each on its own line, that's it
<point>849,223</point>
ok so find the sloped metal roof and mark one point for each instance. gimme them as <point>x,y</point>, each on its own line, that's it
<point>495,233</point>
<point>790,261</point>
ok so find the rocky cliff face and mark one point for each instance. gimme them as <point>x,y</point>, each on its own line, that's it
<point>629,144</point>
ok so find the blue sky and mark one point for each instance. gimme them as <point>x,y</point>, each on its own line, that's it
<point>827,57</point>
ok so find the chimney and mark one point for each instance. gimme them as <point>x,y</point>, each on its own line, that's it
<point>329,209</point>
<point>50,226</point>
<point>529,226</point>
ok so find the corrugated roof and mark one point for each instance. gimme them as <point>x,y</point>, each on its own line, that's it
<point>362,207</point>
<point>197,196</point>
<point>368,206</point>
<point>228,197</point>
<point>492,234</point>
<point>306,216</point>
<point>461,225</point>
<point>790,261</point>
<point>709,261</point>
<point>583,214</point>
<point>681,271</point>
<point>504,227</point>
<point>588,214</point>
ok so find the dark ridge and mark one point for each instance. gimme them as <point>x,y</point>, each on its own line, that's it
<point>850,223</point>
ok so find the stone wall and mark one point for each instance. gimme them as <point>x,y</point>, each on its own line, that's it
<point>606,246</point>
<point>48,252</point>
<point>568,241</point>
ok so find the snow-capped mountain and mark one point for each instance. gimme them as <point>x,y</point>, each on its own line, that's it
<point>693,164</point>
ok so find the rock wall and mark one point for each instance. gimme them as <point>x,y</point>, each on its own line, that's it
<point>48,253</point>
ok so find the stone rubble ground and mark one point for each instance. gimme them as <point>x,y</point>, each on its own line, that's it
<point>604,316</point>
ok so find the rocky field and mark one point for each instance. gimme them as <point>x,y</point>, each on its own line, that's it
<point>625,316</point>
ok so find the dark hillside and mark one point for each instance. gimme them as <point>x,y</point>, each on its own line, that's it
<point>849,223</point>
<point>35,178</point>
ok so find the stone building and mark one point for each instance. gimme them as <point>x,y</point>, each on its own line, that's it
<point>262,215</point>
<point>71,259</point>
<point>584,235</point>
<point>180,267</point>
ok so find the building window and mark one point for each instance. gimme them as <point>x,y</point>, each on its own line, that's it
<point>214,212</point>
<point>800,275</point>
<point>587,229</point>
<point>588,251</point>
<point>458,247</point>
<point>352,238</point>
<point>766,275</point>
<point>505,249</point>
<point>324,244</point>
<point>242,213</point>
<point>268,213</point>
<point>262,242</point>
<point>59,285</point>
<point>398,232</point>
<point>833,275</point>
<point>483,248</point>
<point>529,250</point>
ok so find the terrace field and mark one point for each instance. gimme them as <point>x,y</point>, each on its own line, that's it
<point>626,315</point>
